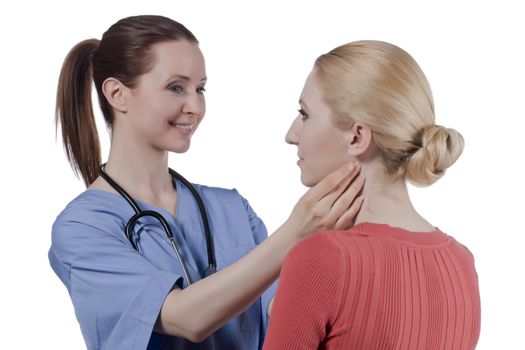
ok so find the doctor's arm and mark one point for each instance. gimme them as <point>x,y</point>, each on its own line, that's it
<point>199,310</point>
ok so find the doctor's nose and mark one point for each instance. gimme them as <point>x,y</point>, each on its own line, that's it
<point>292,136</point>
<point>194,104</point>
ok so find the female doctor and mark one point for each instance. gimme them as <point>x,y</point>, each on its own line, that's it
<point>134,248</point>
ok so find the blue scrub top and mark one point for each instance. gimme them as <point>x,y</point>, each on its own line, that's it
<point>117,293</point>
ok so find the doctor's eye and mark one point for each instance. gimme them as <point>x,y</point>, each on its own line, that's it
<point>201,90</point>
<point>176,88</point>
<point>303,114</point>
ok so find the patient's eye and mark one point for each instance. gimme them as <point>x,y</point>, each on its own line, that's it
<point>303,114</point>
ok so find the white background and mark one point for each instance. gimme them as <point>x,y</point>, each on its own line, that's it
<point>258,55</point>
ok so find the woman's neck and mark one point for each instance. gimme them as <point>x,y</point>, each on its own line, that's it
<point>141,170</point>
<point>386,201</point>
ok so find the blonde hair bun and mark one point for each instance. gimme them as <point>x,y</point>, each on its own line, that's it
<point>440,148</point>
<point>380,85</point>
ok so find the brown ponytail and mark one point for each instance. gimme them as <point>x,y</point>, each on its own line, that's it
<point>74,111</point>
<point>124,53</point>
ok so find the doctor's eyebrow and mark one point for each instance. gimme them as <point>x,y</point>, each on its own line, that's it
<point>185,78</point>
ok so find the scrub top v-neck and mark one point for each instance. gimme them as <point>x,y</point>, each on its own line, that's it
<point>117,293</point>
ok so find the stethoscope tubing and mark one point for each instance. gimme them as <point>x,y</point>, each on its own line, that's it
<point>166,227</point>
<point>139,213</point>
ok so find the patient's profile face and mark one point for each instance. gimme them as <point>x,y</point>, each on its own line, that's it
<point>321,145</point>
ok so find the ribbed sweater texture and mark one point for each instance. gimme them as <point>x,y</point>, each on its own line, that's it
<point>376,287</point>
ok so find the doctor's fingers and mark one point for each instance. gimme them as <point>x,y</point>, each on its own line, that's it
<point>327,210</point>
<point>331,187</point>
<point>344,193</point>
<point>346,206</point>
<point>347,220</point>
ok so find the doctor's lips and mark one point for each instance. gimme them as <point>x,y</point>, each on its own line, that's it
<point>185,128</point>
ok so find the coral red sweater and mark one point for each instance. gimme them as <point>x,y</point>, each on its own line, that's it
<point>376,287</point>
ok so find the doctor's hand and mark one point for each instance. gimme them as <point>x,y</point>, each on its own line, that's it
<point>332,204</point>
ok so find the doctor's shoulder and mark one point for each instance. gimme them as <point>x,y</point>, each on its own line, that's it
<point>91,212</point>
<point>227,198</point>
<point>229,205</point>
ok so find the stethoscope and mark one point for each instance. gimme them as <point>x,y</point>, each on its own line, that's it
<point>212,265</point>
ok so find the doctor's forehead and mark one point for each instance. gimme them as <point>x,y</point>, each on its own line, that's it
<point>181,58</point>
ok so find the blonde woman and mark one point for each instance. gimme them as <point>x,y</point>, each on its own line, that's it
<point>393,281</point>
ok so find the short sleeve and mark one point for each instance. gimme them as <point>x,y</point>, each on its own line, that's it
<point>308,295</point>
<point>260,233</point>
<point>117,294</point>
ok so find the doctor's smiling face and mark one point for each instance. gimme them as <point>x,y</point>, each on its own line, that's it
<point>167,104</point>
<point>321,145</point>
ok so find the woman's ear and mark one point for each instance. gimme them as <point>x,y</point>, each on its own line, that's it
<point>115,93</point>
<point>359,139</point>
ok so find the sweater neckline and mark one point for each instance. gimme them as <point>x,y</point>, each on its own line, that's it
<point>430,238</point>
